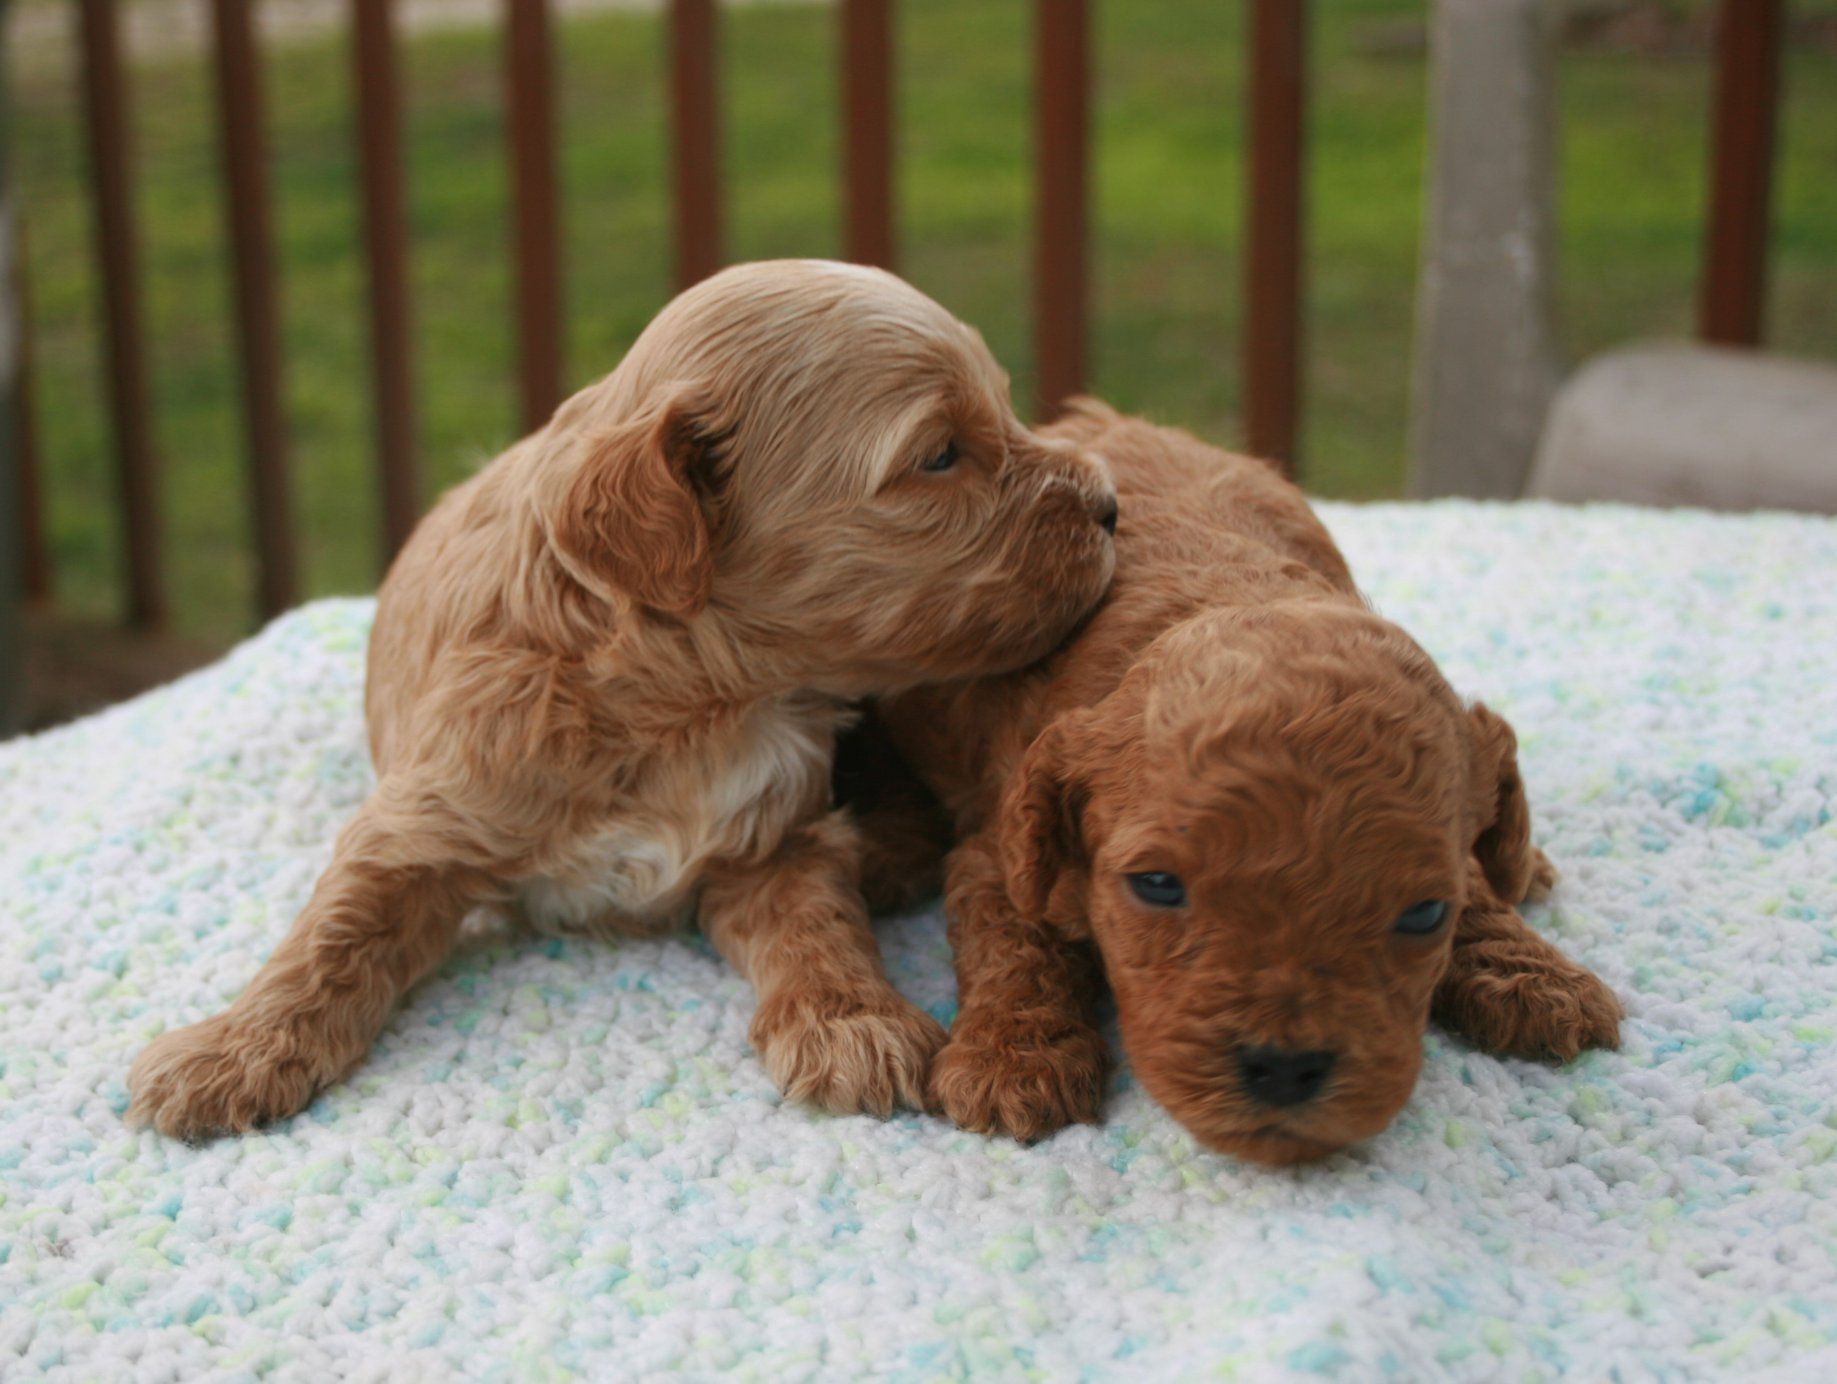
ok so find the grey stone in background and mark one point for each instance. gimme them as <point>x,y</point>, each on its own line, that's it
<point>1683,424</point>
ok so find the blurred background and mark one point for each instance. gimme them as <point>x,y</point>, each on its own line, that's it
<point>1167,207</point>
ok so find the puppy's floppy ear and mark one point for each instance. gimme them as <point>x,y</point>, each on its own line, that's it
<point>1042,844</point>
<point>1503,817</point>
<point>628,519</point>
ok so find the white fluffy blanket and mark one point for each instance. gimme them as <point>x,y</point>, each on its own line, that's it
<point>562,1156</point>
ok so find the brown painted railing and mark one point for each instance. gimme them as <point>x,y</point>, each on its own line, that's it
<point>867,131</point>
<point>1741,175</point>
<point>257,318</point>
<point>105,99</point>
<point>536,209</point>
<point>379,126</point>
<point>1272,266</point>
<point>697,134</point>
<point>1734,270</point>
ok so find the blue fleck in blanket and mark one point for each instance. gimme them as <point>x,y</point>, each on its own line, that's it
<point>562,1157</point>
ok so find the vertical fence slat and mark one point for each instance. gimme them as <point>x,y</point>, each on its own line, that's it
<point>13,333</point>
<point>696,130</point>
<point>34,552</point>
<point>117,249</point>
<point>1061,289</point>
<point>239,100</point>
<point>534,206</point>
<point>1741,179</point>
<point>1272,290</point>
<point>385,246</point>
<point>867,130</point>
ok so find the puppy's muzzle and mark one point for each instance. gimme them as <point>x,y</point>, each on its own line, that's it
<point>1088,474</point>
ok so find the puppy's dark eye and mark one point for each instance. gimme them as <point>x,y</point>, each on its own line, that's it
<point>1420,919</point>
<point>943,461</point>
<point>1158,888</point>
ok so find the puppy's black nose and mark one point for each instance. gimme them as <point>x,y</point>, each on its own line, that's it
<point>1106,515</point>
<point>1277,1076</point>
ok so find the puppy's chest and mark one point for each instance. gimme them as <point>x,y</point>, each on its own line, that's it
<point>732,799</point>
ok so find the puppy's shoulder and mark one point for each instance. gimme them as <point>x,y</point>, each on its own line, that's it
<point>1227,510</point>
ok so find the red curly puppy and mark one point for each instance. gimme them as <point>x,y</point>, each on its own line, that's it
<point>1259,808</point>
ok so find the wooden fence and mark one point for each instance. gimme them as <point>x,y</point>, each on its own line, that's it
<point>1732,282</point>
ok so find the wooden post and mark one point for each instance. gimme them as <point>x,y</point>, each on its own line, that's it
<point>535,211</point>
<point>385,243</point>
<point>1272,266</point>
<point>117,249</point>
<point>245,170</point>
<point>1734,291</point>
<point>694,109</point>
<point>1061,271</point>
<point>867,130</point>
<point>12,336</point>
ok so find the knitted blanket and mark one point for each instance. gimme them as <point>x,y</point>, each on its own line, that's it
<point>562,1156</point>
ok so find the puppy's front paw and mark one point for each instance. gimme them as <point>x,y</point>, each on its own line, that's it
<point>845,1054</point>
<point>1543,877</point>
<point>993,1079</point>
<point>1540,1011</point>
<point>220,1077</point>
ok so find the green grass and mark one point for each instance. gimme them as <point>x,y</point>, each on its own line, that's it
<point>1169,136</point>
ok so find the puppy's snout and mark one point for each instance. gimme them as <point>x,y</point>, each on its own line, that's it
<point>1087,473</point>
<point>1281,1077</point>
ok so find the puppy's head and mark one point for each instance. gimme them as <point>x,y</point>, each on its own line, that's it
<point>1269,830</point>
<point>828,459</point>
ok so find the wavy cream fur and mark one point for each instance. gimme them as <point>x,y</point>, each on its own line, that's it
<point>607,675</point>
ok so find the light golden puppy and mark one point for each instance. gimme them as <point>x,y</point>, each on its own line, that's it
<point>607,675</point>
<point>1258,807</point>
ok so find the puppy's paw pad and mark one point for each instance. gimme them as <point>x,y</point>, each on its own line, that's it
<point>217,1077</point>
<point>847,1056</point>
<point>1546,1012</point>
<point>1026,1086</point>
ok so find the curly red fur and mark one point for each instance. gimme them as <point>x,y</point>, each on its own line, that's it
<point>1234,715</point>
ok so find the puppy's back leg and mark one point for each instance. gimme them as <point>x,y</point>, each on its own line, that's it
<point>1025,1057</point>
<point>384,913</point>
